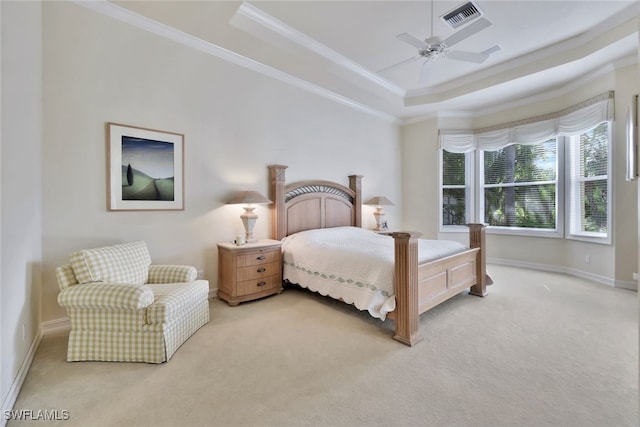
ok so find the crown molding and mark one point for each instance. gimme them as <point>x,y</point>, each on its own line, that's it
<point>127,16</point>
<point>262,18</point>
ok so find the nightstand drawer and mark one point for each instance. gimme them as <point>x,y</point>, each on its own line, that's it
<point>257,258</point>
<point>248,287</point>
<point>257,271</point>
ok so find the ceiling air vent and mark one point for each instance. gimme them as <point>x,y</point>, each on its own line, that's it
<point>462,14</point>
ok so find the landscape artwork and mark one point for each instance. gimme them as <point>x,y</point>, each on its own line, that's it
<point>145,168</point>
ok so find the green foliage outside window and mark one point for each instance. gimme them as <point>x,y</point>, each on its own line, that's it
<point>520,189</point>
<point>453,189</point>
<point>593,179</point>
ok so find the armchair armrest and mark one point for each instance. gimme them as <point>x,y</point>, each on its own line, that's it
<point>106,296</point>
<point>171,274</point>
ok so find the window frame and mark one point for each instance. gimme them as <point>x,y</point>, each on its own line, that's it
<point>576,119</point>
<point>474,177</point>
<point>587,236</point>
<point>469,186</point>
<point>557,233</point>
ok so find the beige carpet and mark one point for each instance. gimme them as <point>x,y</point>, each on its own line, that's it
<point>540,350</point>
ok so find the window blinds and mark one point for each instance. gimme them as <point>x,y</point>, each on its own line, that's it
<point>588,181</point>
<point>571,121</point>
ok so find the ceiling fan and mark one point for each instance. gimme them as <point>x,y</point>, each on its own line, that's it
<point>435,47</point>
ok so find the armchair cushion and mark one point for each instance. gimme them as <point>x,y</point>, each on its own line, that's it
<point>124,263</point>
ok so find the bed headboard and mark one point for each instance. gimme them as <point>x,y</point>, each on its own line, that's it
<point>312,204</point>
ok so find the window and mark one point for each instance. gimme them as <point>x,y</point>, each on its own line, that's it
<point>519,186</point>
<point>544,176</point>
<point>455,194</point>
<point>588,182</point>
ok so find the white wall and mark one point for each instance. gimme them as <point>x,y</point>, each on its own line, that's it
<point>613,264</point>
<point>625,214</point>
<point>235,121</point>
<point>420,177</point>
<point>20,196</point>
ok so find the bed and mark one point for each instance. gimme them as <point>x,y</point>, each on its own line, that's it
<point>420,274</point>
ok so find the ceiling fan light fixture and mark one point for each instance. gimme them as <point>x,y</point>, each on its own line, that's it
<point>433,53</point>
<point>436,56</point>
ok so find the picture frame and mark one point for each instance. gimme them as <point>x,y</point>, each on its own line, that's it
<point>632,140</point>
<point>145,169</point>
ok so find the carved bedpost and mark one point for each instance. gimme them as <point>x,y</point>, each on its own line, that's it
<point>477,239</point>
<point>277,195</point>
<point>355,184</point>
<point>407,316</point>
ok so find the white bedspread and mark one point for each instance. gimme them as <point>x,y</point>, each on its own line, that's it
<point>352,264</point>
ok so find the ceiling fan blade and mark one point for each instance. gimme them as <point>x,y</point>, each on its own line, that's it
<point>397,64</point>
<point>413,41</point>
<point>468,31</point>
<point>460,55</point>
<point>492,49</point>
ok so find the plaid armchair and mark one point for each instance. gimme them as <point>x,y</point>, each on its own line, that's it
<point>124,309</point>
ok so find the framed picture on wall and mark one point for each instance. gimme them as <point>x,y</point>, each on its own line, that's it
<point>145,168</point>
<point>632,140</point>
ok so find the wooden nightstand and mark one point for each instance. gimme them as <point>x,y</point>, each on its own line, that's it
<point>250,271</point>
<point>385,232</point>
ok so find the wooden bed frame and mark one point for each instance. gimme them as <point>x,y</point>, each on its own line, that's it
<point>322,204</point>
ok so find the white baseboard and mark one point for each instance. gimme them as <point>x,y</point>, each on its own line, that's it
<point>55,326</point>
<point>632,286</point>
<point>16,386</point>
<point>566,270</point>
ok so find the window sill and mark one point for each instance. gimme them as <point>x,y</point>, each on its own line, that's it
<point>454,229</point>
<point>519,232</point>
<point>524,232</point>
<point>590,239</point>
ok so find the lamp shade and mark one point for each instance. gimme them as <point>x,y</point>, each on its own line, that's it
<point>246,197</point>
<point>379,201</point>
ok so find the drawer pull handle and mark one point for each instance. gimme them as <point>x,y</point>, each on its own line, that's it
<point>262,283</point>
<point>262,270</point>
<point>261,257</point>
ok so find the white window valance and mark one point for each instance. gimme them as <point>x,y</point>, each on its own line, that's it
<point>570,121</point>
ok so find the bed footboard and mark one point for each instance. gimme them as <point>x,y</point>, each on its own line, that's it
<point>420,287</point>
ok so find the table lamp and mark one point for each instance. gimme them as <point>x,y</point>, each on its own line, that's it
<point>379,202</point>
<point>249,217</point>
